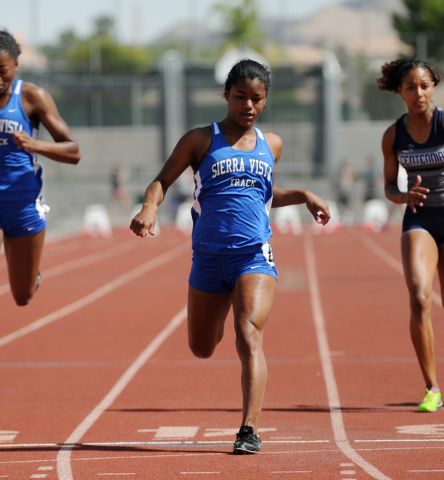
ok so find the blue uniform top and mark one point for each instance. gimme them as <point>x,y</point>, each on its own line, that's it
<point>425,159</point>
<point>232,197</point>
<point>20,174</point>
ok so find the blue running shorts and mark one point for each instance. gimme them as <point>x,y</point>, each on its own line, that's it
<point>22,218</point>
<point>428,219</point>
<point>218,273</point>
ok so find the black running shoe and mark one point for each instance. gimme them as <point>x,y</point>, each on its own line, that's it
<point>246,441</point>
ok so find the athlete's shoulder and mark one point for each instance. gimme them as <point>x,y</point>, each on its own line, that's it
<point>390,133</point>
<point>274,143</point>
<point>33,92</point>
<point>201,133</point>
<point>273,139</point>
<point>197,137</point>
<point>388,138</point>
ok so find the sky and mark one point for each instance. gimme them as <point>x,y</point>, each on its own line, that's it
<point>140,21</point>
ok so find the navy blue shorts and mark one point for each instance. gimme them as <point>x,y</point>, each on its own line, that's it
<point>427,219</point>
<point>20,219</point>
<point>218,273</point>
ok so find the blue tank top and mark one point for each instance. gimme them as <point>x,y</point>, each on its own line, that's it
<point>20,174</point>
<point>232,197</point>
<point>425,159</point>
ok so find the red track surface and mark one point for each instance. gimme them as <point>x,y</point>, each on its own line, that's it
<point>100,383</point>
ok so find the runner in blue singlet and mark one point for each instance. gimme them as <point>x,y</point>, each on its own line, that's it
<point>234,165</point>
<point>23,106</point>
<point>416,141</point>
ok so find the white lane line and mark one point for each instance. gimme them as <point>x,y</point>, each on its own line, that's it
<point>93,296</point>
<point>392,261</point>
<point>64,456</point>
<point>79,263</point>
<point>294,471</point>
<point>206,454</point>
<point>199,443</point>
<point>327,368</point>
<point>199,473</point>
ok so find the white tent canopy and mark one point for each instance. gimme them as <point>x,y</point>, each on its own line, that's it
<point>229,58</point>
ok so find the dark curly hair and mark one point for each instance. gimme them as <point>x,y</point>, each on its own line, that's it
<point>9,45</point>
<point>247,68</point>
<point>394,72</point>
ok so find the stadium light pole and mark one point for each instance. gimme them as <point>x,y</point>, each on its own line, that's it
<point>331,71</point>
<point>117,18</point>
<point>174,94</point>
<point>34,22</point>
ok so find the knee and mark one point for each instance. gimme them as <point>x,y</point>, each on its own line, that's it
<point>200,350</point>
<point>248,341</point>
<point>22,300</point>
<point>420,301</point>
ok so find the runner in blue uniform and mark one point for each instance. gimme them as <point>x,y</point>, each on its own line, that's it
<point>234,165</point>
<point>416,141</point>
<point>23,106</point>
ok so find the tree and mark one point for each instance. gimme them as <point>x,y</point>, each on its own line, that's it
<point>423,22</point>
<point>242,24</point>
<point>99,53</point>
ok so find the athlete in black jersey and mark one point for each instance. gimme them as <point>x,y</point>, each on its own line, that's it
<point>416,141</point>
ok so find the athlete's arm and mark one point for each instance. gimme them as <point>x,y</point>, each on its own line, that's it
<point>391,167</point>
<point>188,152</point>
<point>40,107</point>
<point>315,205</point>
<point>281,197</point>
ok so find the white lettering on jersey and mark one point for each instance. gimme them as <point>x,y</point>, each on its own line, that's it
<point>237,182</point>
<point>3,142</point>
<point>9,126</point>
<point>407,159</point>
<point>260,168</point>
<point>228,165</point>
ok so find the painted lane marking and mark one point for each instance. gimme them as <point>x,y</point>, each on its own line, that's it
<point>346,464</point>
<point>220,442</point>
<point>224,432</point>
<point>348,472</point>
<point>392,261</point>
<point>7,436</point>
<point>79,263</point>
<point>103,474</point>
<point>432,430</point>
<point>64,456</point>
<point>195,454</point>
<point>46,468</point>
<point>334,403</point>
<point>199,473</point>
<point>176,432</point>
<point>425,471</point>
<point>96,294</point>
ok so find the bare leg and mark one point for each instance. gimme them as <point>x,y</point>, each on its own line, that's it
<point>420,258</point>
<point>206,319</point>
<point>23,258</point>
<point>253,297</point>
